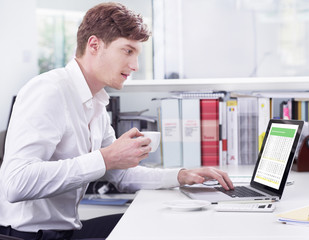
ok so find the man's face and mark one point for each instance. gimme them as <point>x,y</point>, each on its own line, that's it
<point>115,62</point>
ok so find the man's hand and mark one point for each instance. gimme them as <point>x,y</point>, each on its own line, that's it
<point>127,151</point>
<point>199,175</point>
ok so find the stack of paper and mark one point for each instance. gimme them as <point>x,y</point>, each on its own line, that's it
<point>298,216</point>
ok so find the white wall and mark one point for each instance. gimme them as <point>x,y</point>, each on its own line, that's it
<point>218,41</point>
<point>138,101</point>
<point>18,61</point>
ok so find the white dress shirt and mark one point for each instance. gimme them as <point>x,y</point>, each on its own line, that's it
<point>51,153</point>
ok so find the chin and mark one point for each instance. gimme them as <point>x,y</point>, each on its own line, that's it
<point>118,87</point>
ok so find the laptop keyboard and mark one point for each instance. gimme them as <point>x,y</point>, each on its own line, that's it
<point>240,191</point>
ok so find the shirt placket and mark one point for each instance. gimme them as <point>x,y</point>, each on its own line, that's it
<point>89,111</point>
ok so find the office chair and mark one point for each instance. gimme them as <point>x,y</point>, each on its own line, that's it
<point>4,237</point>
<point>4,137</point>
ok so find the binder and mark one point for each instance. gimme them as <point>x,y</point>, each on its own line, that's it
<point>191,133</point>
<point>247,130</point>
<point>276,107</point>
<point>264,116</point>
<point>171,132</point>
<point>232,132</point>
<point>210,132</point>
<point>223,132</point>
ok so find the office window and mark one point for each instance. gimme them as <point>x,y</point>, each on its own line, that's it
<point>57,24</point>
<point>56,37</point>
<point>231,38</point>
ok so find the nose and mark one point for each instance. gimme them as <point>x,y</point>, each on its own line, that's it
<point>133,65</point>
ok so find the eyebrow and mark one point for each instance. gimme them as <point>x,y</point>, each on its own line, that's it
<point>130,46</point>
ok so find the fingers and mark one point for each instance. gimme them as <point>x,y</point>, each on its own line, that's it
<point>143,141</point>
<point>228,180</point>
<point>198,176</point>
<point>143,156</point>
<point>144,149</point>
<point>126,151</point>
<point>141,144</point>
<point>223,178</point>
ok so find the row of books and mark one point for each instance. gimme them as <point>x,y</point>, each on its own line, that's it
<point>193,130</point>
<point>286,105</point>
<point>215,129</point>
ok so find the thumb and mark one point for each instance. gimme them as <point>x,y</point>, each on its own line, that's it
<point>132,133</point>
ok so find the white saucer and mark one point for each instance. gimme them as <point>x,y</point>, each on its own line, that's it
<point>187,205</point>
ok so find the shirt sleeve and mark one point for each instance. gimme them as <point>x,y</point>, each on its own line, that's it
<point>140,177</point>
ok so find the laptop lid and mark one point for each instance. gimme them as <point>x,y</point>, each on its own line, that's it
<point>276,156</point>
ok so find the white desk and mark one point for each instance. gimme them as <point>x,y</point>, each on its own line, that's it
<point>147,218</point>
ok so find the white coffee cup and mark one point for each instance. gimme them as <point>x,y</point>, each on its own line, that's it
<point>154,137</point>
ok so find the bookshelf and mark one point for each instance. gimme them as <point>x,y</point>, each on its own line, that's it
<point>223,84</point>
<point>139,94</point>
<point>135,90</point>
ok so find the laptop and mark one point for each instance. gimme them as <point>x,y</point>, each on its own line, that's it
<point>271,170</point>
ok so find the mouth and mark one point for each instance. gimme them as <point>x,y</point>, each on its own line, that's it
<point>125,76</point>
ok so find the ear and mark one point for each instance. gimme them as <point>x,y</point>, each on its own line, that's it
<point>93,44</point>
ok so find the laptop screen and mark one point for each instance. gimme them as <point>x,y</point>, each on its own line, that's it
<point>277,155</point>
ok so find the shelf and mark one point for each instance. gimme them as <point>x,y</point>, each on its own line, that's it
<point>223,84</point>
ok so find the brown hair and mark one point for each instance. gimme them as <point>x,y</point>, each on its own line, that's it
<point>109,21</point>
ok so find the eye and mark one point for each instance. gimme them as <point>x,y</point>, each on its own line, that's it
<point>128,51</point>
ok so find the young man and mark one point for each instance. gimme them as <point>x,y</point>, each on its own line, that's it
<point>60,138</point>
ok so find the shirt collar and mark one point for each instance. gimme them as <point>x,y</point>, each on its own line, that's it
<point>80,84</point>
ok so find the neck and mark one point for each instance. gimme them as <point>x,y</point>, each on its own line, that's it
<point>89,77</point>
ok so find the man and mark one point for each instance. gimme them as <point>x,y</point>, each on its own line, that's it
<point>60,139</point>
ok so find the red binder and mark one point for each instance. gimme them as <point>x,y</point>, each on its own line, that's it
<point>209,132</point>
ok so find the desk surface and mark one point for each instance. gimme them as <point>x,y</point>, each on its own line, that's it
<point>148,218</point>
